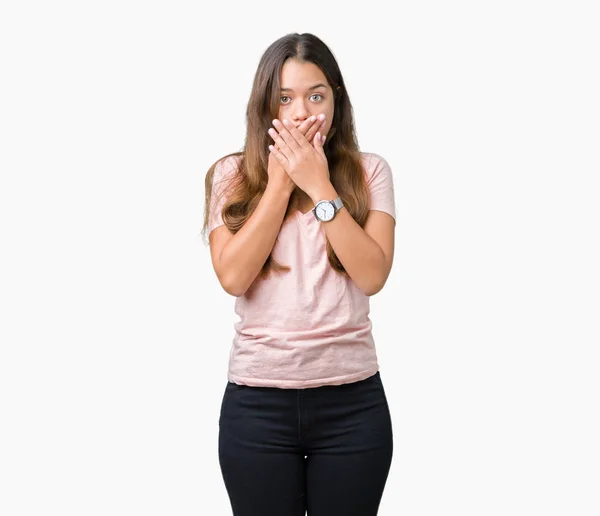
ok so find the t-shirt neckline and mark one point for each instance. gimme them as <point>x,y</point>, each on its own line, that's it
<point>305,217</point>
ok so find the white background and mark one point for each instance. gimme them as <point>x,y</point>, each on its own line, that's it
<point>115,333</point>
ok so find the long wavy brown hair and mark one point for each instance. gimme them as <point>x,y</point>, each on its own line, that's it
<point>341,148</point>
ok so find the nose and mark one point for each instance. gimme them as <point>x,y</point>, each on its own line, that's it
<point>301,112</point>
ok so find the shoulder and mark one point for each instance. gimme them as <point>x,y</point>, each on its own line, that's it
<point>225,168</point>
<point>376,166</point>
<point>228,164</point>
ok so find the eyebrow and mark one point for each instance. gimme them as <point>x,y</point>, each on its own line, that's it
<point>320,85</point>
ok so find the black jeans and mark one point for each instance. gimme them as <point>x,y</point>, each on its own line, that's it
<point>326,450</point>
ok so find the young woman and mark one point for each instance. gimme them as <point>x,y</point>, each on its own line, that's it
<point>301,231</point>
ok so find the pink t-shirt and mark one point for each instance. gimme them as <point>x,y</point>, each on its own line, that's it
<point>310,326</point>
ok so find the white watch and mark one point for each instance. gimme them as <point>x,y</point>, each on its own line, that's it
<point>326,210</point>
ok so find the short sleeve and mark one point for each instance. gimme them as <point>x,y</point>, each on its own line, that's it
<point>381,185</point>
<point>224,171</point>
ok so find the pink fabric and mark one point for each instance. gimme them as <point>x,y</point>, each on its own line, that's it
<point>310,326</point>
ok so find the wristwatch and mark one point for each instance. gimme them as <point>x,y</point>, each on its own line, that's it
<point>326,210</point>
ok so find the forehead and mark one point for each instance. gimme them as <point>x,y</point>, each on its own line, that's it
<point>300,76</point>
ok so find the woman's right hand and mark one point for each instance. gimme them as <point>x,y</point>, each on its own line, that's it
<point>278,177</point>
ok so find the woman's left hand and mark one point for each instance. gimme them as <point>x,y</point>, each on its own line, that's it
<point>306,164</point>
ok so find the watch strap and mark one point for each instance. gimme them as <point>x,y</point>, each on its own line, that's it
<point>337,203</point>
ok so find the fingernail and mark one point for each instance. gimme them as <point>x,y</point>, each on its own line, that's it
<point>276,123</point>
<point>311,119</point>
<point>321,117</point>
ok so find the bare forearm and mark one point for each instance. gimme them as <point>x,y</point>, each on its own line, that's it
<point>245,254</point>
<point>360,255</point>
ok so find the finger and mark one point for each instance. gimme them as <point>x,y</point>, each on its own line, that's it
<point>319,142</point>
<point>281,143</point>
<point>305,126</point>
<point>316,127</point>
<point>310,126</point>
<point>296,139</point>
<point>278,155</point>
<point>287,137</point>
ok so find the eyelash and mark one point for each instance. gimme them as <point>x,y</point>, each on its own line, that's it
<point>314,94</point>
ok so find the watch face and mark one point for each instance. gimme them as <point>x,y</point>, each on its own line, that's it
<point>324,210</point>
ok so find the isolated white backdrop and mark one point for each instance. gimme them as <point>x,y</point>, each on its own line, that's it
<point>115,333</point>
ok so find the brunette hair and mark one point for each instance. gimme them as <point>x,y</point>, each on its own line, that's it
<point>341,147</point>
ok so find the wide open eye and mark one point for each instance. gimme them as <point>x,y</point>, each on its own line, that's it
<point>313,95</point>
